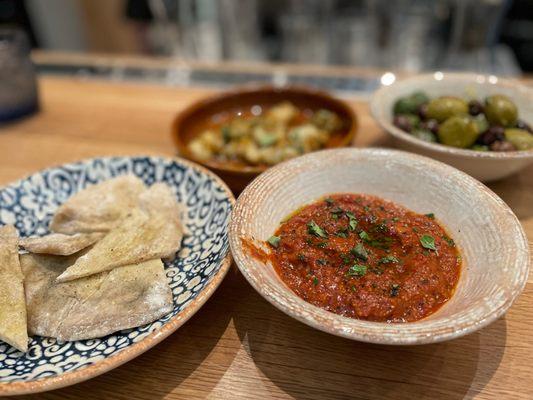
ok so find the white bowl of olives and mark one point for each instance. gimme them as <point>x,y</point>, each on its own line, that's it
<point>480,124</point>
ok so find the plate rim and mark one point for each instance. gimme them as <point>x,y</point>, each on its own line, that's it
<point>155,337</point>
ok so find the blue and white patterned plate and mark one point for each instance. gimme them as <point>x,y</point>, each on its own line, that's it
<point>202,263</point>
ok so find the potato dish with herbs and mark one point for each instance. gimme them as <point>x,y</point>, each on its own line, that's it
<point>279,133</point>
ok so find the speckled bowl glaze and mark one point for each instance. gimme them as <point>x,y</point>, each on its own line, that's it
<point>193,276</point>
<point>485,166</point>
<point>489,237</point>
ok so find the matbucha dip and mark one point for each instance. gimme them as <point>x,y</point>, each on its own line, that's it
<point>492,124</point>
<point>363,257</point>
<point>267,138</point>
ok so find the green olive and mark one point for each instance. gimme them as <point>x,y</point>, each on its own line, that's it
<point>420,97</point>
<point>458,131</point>
<point>445,107</point>
<point>500,110</point>
<point>519,138</point>
<point>481,122</point>
<point>410,104</point>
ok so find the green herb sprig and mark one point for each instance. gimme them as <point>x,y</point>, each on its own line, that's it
<point>360,252</point>
<point>357,270</point>
<point>274,241</point>
<point>428,242</point>
<point>314,229</point>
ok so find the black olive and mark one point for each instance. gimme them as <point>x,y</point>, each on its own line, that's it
<point>491,135</point>
<point>423,111</point>
<point>430,125</point>
<point>502,145</point>
<point>475,107</point>
<point>405,122</point>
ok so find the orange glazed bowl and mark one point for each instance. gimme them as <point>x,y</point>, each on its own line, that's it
<point>203,114</point>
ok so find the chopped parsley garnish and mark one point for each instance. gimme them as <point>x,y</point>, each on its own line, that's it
<point>343,233</point>
<point>388,260</point>
<point>226,134</point>
<point>415,230</point>
<point>322,244</point>
<point>357,270</point>
<point>352,220</point>
<point>316,230</point>
<point>382,243</point>
<point>449,240</point>
<point>354,288</point>
<point>366,208</point>
<point>301,257</point>
<point>394,290</point>
<point>267,139</point>
<point>315,280</point>
<point>274,241</point>
<point>336,212</point>
<point>363,235</point>
<point>430,216</point>
<point>329,200</point>
<point>321,261</point>
<point>428,242</point>
<point>360,252</point>
<point>346,259</point>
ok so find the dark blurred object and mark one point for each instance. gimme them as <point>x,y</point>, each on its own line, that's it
<point>14,13</point>
<point>517,32</point>
<point>139,10</point>
<point>18,87</point>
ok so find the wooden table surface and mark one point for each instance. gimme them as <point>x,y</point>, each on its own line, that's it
<point>238,346</point>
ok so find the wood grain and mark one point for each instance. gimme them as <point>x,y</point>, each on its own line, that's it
<point>239,346</point>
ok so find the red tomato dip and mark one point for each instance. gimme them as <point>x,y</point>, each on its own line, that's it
<point>363,257</point>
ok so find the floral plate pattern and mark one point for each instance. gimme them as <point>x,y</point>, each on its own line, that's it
<point>203,261</point>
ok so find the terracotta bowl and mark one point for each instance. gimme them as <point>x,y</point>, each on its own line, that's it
<point>485,166</point>
<point>203,114</point>
<point>488,234</point>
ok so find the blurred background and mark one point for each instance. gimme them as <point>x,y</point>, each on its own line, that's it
<point>491,36</point>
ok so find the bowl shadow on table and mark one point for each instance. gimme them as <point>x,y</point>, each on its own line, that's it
<point>309,364</point>
<point>164,368</point>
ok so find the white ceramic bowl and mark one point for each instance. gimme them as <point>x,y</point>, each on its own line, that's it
<point>489,236</point>
<point>485,166</point>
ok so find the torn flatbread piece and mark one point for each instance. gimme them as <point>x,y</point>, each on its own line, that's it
<point>140,237</point>
<point>98,208</point>
<point>59,243</point>
<point>13,328</point>
<point>95,306</point>
<point>159,200</point>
